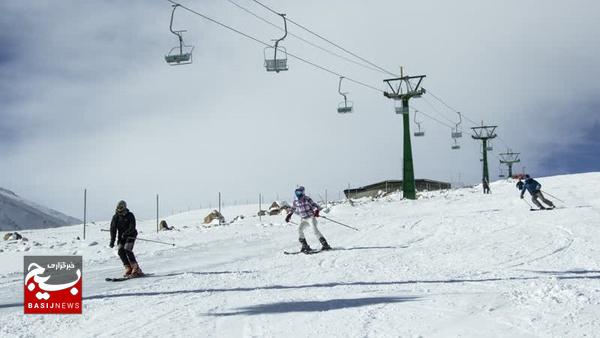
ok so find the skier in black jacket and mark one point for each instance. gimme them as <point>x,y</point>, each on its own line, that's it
<point>122,227</point>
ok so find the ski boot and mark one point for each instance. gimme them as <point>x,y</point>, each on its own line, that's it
<point>136,271</point>
<point>305,248</point>
<point>325,245</point>
<point>127,271</point>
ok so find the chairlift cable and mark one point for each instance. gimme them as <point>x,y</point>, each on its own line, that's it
<point>463,114</point>
<point>328,41</point>
<point>301,38</point>
<point>368,62</point>
<point>437,111</point>
<point>451,108</point>
<point>431,117</point>
<point>381,69</point>
<point>268,45</point>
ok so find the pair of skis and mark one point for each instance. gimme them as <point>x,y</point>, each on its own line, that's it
<point>311,252</point>
<point>122,279</point>
<point>545,209</point>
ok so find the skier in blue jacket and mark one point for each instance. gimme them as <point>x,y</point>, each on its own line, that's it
<point>535,189</point>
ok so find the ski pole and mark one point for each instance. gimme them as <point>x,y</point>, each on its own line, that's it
<point>549,194</point>
<point>530,206</point>
<point>347,226</point>
<point>149,240</point>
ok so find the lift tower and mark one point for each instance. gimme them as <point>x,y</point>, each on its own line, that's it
<point>484,133</point>
<point>403,90</point>
<point>509,158</point>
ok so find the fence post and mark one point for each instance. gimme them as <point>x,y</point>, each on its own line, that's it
<point>84,211</point>
<point>260,208</point>
<point>220,207</point>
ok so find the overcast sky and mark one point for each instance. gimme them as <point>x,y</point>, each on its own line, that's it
<point>87,100</point>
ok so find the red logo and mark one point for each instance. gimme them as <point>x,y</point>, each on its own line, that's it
<point>53,284</point>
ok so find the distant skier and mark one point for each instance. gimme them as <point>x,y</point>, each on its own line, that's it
<point>308,211</point>
<point>486,186</point>
<point>122,227</point>
<point>535,189</point>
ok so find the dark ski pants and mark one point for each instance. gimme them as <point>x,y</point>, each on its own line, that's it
<point>126,252</point>
<point>538,195</point>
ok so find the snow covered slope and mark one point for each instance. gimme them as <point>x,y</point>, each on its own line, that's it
<point>17,213</point>
<point>452,263</point>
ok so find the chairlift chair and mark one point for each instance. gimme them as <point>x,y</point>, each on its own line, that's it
<point>345,106</point>
<point>456,133</point>
<point>401,109</point>
<point>418,133</point>
<point>455,146</point>
<point>501,172</point>
<point>277,63</point>
<point>489,146</point>
<point>182,54</point>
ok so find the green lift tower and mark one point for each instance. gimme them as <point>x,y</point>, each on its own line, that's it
<point>484,133</point>
<point>509,158</point>
<point>402,89</point>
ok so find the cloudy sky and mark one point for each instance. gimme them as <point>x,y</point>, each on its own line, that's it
<point>87,100</point>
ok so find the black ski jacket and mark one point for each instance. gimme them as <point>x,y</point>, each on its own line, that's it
<point>123,226</point>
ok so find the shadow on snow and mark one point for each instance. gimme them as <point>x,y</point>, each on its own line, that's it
<point>559,275</point>
<point>312,306</point>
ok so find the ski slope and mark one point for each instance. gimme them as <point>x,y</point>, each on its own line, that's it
<point>452,263</point>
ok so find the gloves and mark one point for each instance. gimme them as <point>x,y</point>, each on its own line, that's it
<point>317,213</point>
<point>112,244</point>
<point>288,218</point>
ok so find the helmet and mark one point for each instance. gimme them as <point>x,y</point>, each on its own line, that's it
<point>122,205</point>
<point>299,191</point>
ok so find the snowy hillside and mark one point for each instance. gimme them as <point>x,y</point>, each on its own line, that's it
<point>452,263</point>
<point>17,213</point>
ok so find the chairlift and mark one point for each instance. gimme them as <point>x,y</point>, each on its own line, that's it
<point>456,133</point>
<point>501,172</point>
<point>277,64</point>
<point>182,54</point>
<point>418,133</point>
<point>345,106</point>
<point>455,146</point>
<point>489,146</point>
<point>401,109</point>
